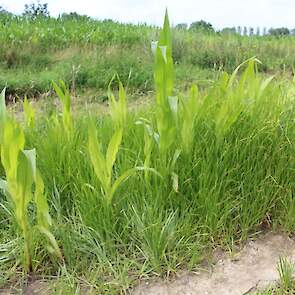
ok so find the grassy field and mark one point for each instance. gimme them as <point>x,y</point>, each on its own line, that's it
<point>85,53</point>
<point>148,192</point>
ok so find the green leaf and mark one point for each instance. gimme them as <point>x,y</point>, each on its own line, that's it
<point>165,36</point>
<point>59,92</point>
<point>13,143</point>
<point>235,72</point>
<point>175,157</point>
<point>97,158</point>
<point>118,108</point>
<point>163,70</point>
<point>21,191</point>
<point>123,106</point>
<point>113,149</point>
<point>43,216</point>
<point>264,85</point>
<point>29,113</point>
<point>31,156</point>
<point>51,240</point>
<point>120,180</point>
<point>126,175</point>
<point>163,50</point>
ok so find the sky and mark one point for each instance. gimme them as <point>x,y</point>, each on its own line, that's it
<point>221,13</point>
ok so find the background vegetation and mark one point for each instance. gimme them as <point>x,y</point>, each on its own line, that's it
<point>36,48</point>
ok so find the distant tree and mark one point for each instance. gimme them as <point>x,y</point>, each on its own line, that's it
<point>229,30</point>
<point>74,15</point>
<point>201,26</point>
<point>245,31</point>
<point>264,31</point>
<point>34,10</point>
<point>293,32</point>
<point>257,31</point>
<point>279,31</point>
<point>109,21</point>
<point>3,11</point>
<point>5,15</point>
<point>251,31</point>
<point>181,26</point>
<point>239,30</point>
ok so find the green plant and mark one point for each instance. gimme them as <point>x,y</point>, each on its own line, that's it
<point>21,174</point>
<point>103,164</point>
<point>118,108</point>
<point>29,113</point>
<point>227,161</point>
<point>167,104</point>
<point>189,112</point>
<point>64,95</point>
<point>286,271</point>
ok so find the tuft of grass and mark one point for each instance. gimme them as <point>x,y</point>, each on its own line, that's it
<point>286,284</point>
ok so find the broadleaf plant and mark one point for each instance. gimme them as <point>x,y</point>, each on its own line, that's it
<point>103,163</point>
<point>22,177</point>
<point>29,113</point>
<point>166,111</point>
<point>63,93</point>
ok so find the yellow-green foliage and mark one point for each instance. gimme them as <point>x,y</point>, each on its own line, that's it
<point>103,164</point>
<point>64,95</point>
<point>29,113</point>
<point>167,104</point>
<point>188,112</point>
<point>118,107</point>
<point>21,175</point>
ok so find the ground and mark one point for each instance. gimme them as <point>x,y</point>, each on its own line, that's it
<point>251,269</point>
<point>244,271</point>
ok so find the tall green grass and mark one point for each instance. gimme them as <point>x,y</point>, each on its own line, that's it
<point>217,167</point>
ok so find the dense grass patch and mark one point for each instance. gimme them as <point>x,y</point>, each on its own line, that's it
<point>208,168</point>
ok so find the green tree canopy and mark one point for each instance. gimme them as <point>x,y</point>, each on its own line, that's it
<point>34,10</point>
<point>279,31</point>
<point>201,26</point>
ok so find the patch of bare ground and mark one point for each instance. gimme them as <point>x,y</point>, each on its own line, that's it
<point>31,287</point>
<point>253,268</point>
<point>244,272</point>
<point>50,286</point>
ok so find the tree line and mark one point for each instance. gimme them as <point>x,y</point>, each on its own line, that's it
<point>38,9</point>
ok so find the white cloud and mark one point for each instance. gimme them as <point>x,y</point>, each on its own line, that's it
<point>221,13</point>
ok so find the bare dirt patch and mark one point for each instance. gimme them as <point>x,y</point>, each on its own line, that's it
<point>253,268</point>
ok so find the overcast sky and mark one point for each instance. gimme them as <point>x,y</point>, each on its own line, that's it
<point>221,13</point>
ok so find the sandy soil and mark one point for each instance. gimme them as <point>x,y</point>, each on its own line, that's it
<point>252,269</point>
